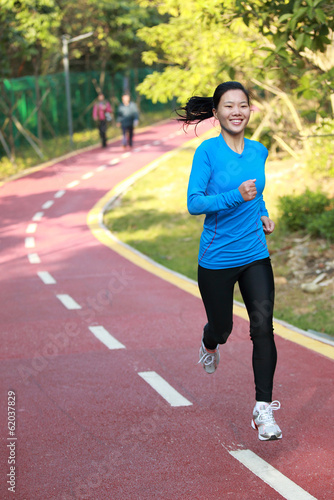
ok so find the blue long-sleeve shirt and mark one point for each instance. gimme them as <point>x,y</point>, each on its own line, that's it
<point>232,233</point>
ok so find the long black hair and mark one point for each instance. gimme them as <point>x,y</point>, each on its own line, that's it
<point>199,108</point>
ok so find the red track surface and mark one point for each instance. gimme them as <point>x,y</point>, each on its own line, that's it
<point>88,426</point>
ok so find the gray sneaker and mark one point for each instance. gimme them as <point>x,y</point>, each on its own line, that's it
<point>264,421</point>
<point>209,359</point>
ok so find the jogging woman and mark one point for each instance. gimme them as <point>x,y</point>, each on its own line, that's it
<point>226,184</point>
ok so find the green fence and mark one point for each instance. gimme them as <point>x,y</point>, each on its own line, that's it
<point>34,109</point>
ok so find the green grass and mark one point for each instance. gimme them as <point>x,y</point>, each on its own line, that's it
<point>160,225</point>
<point>54,148</point>
<point>152,217</point>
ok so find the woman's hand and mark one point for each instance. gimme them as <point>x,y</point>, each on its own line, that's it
<point>248,190</point>
<point>268,224</point>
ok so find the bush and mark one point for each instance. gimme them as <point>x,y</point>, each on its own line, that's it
<point>323,225</point>
<point>297,212</point>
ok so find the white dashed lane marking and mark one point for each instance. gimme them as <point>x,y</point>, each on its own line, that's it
<point>68,302</point>
<point>48,204</point>
<point>284,486</point>
<point>101,168</point>
<point>104,336</point>
<point>34,258</point>
<point>38,216</point>
<point>31,228</point>
<point>165,390</point>
<point>29,242</point>
<point>72,184</point>
<point>88,175</point>
<point>60,193</point>
<point>46,278</point>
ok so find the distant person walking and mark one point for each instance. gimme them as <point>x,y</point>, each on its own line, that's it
<point>226,184</point>
<point>102,113</point>
<point>127,118</point>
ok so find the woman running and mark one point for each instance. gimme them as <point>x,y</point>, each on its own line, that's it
<point>226,184</point>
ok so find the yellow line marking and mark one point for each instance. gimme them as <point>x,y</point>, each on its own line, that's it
<point>101,233</point>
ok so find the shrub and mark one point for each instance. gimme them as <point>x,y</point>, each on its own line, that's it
<point>298,211</point>
<point>322,225</point>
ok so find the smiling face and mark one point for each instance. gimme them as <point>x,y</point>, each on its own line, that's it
<point>233,112</point>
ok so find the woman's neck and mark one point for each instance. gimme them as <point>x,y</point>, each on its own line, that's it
<point>234,142</point>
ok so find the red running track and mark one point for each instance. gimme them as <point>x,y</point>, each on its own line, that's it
<point>88,426</point>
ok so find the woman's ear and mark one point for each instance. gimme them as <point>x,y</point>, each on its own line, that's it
<point>214,113</point>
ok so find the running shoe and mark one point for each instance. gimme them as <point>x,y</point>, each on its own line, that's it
<point>209,359</point>
<point>264,421</point>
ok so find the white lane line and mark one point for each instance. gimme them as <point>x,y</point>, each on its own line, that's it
<point>284,486</point>
<point>46,278</point>
<point>60,193</point>
<point>34,258</point>
<point>101,168</point>
<point>104,336</point>
<point>88,175</point>
<point>31,228</point>
<point>48,204</point>
<point>72,184</point>
<point>38,216</point>
<point>68,302</point>
<point>126,155</point>
<point>165,390</point>
<point>136,150</point>
<point>29,242</point>
<point>156,143</point>
<point>114,161</point>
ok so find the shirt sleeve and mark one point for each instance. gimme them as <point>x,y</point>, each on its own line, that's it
<point>263,208</point>
<point>198,201</point>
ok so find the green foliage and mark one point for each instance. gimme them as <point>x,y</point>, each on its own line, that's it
<point>321,159</point>
<point>300,33</point>
<point>31,30</point>
<point>205,42</point>
<point>28,28</point>
<point>199,46</point>
<point>322,225</point>
<point>307,211</point>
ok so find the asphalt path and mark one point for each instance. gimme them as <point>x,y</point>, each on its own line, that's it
<point>101,393</point>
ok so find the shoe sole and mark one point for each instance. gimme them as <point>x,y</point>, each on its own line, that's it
<point>261,438</point>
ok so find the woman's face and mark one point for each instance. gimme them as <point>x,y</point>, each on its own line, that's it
<point>233,112</point>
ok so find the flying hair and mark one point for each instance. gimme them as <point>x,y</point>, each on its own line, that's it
<point>198,109</point>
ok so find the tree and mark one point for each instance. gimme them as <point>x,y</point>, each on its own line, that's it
<point>200,45</point>
<point>301,41</point>
<point>114,22</point>
<point>284,41</point>
<point>28,33</point>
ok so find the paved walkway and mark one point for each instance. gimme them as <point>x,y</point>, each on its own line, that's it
<point>99,350</point>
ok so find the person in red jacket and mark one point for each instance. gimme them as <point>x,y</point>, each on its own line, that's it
<point>102,114</point>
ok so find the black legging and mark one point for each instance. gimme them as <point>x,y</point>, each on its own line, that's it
<point>103,132</point>
<point>256,283</point>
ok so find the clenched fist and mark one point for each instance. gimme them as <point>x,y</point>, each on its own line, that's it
<point>248,190</point>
